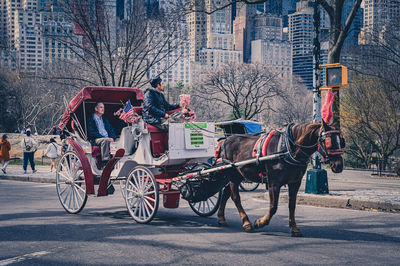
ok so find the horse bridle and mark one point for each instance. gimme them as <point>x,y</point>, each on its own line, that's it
<point>330,143</point>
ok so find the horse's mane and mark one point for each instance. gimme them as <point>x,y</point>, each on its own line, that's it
<point>304,132</point>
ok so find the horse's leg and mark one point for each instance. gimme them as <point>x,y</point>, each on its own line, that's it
<point>221,210</point>
<point>293,189</point>
<point>273,190</point>
<point>236,199</point>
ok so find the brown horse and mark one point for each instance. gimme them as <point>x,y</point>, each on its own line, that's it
<point>301,141</point>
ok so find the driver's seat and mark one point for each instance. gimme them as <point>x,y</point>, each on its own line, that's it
<point>159,140</point>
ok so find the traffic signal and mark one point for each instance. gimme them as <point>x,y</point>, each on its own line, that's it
<point>335,76</point>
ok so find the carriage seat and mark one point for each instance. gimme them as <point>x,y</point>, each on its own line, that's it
<point>159,140</point>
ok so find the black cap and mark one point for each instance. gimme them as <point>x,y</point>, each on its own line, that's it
<point>155,81</point>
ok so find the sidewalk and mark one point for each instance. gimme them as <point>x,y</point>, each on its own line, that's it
<point>43,174</point>
<point>350,189</point>
<point>353,189</point>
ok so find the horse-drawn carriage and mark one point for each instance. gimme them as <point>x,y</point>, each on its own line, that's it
<point>148,162</point>
<point>145,159</point>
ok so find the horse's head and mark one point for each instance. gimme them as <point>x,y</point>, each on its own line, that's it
<point>330,146</point>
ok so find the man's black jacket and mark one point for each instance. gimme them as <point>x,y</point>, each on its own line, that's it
<point>154,106</point>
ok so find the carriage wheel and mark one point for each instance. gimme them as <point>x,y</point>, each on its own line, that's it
<point>248,186</point>
<point>122,184</point>
<point>141,195</point>
<point>70,183</point>
<point>208,207</point>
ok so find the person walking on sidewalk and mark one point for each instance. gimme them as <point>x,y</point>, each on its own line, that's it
<point>29,146</point>
<point>5,148</point>
<point>52,153</point>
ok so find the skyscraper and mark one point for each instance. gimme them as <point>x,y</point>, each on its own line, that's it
<point>242,29</point>
<point>220,40</point>
<point>34,31</point>
<point>378,16</point>
<point>301,36</point>
<point>197,28</point>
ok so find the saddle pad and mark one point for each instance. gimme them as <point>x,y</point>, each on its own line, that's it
<point>264,145</point>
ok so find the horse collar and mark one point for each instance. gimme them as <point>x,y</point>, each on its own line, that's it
<point>289,142</point>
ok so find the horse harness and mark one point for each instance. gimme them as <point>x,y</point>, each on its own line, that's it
<point>285,144</point>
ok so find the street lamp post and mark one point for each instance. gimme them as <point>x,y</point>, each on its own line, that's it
<point>317,180</point>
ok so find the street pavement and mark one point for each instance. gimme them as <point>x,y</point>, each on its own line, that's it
<point>35,230</point>
<point>351,189</point>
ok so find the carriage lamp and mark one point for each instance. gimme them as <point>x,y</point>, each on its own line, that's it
<point>335,76</point>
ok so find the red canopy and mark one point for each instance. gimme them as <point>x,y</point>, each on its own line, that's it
<point>105,94</point>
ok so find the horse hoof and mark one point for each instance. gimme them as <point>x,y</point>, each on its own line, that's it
<point>222,223</point>
<point>257,224</point>
<point>296,234</point>
<point>248,228</point>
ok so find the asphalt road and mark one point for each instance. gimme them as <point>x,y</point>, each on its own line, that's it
<point>35,230</point>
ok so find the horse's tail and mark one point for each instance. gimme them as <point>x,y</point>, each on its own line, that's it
<point>219,152</point>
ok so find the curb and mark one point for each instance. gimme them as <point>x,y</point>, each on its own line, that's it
<point>27,178</point>
<point>341,202</point>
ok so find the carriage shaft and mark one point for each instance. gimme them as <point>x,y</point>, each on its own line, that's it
<point>227,166</point>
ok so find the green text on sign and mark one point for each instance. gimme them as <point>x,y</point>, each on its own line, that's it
<point>196,125</point>
<point>196,139</point>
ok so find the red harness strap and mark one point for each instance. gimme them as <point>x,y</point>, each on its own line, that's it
<point>264,145</point>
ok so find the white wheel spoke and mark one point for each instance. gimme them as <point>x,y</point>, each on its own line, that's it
<point>76,200</point>
<point>62,192</point>
<point>149,193</point>
<point>141,211</point>
<point>145,204</point>
<point>137,209</point>
<point>77,192</point>
<point>67,178</point>
<point>149,205</point>
<point>66,165</point>
<point>149,198</point>
<point>78,187</point>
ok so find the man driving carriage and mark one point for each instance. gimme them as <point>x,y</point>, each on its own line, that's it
<point>100,132</point>
<point>155,106</point>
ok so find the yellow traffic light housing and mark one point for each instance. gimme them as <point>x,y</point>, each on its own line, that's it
<point>335,76</point>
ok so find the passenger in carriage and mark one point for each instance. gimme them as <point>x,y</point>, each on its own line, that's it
<point>100,132</point>
<point>155,106</point>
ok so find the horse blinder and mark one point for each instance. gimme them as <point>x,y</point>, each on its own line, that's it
<point>331,144</point>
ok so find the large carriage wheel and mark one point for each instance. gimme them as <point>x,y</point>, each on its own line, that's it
<point>247,185</point>
<point>208,207</point>
<point>70,183</point>
<point>122,184</point>
<point>141,195</point>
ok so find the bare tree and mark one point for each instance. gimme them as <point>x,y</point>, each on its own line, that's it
<point>245,89</point>
<point>337,31</point>
<point>115,52</point>
<point>371,117</point>
<point>294,107</point>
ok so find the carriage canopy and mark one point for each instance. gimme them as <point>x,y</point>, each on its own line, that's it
<point>109,95</point>
<point>240,126</point>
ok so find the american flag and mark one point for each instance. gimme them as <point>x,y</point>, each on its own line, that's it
<point>128,114</point>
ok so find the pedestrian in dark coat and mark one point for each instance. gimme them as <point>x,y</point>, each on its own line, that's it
<point>29,147</point>
<point>155,106</point>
